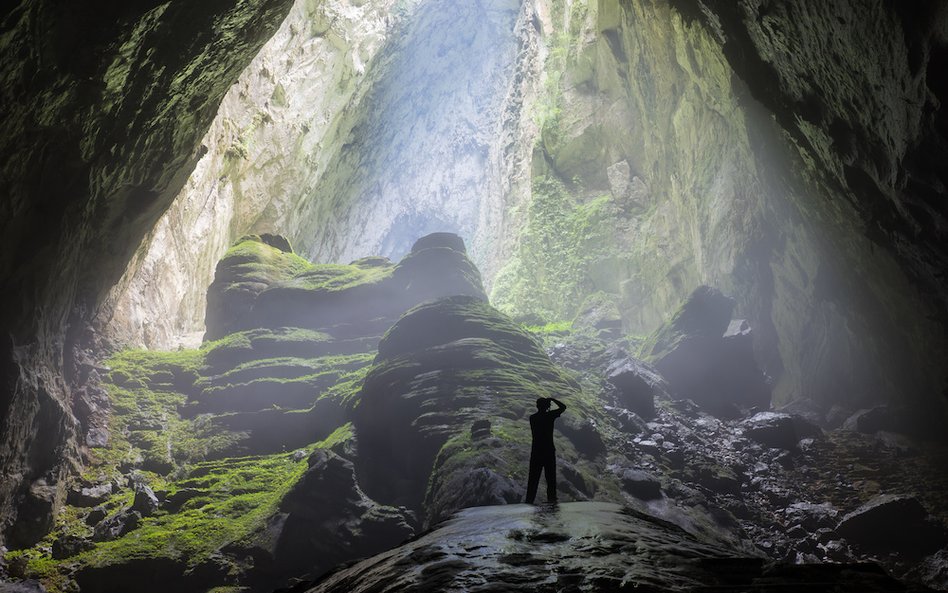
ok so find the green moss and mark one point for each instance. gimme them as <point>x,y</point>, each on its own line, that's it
<point>251,260</point>
<point>336,277</point>
<point>554,327</point>
<point>565,249</point>
<point>339,436</point>
<point>238,496</point>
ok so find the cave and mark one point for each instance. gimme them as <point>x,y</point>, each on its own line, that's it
<point>285,280</point>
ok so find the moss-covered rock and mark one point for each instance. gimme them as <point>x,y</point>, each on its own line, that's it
<point>260,286</point>
<point>247,269</point>
<point>444,366</point>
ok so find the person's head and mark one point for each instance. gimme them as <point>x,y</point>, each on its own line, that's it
<point>543,404</point>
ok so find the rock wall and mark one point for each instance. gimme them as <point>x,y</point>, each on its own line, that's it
<point>682,145</point>
<point>424,150</point>
<point>103,108</point>
<point>269,144</point>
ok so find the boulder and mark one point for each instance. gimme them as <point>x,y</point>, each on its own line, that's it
<point>706,357</point>
<point>932,571</point>
<point>870,420</point>
<point>68,545</point>
<point>584,434</point>
<point>145,502</point>
<point>890,523</point>
<point>585,546</point>
<point>36,514</point>
<point>95,515</point>
<point>480,429</point>
<point>778,430</point>
<point>812,517</point>
<point>260,286</point>
<point>446,240</point>
<point>443,366</point>
<point>629,422</point>
<point>248,268</point>
<point>640,484</point>
<point>90,496</point>
<point>117,525</point>
<point>323,520</point>
<point>636,385</point>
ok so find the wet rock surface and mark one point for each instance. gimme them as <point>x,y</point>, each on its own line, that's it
<point>581,547</point>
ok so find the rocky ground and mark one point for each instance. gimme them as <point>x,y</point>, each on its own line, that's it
<point>582,546</point>
<point>337,410</point>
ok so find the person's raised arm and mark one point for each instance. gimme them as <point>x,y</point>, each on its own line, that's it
<point>560,406</point>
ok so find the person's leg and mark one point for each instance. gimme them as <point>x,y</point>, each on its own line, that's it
<point>549,468</point>
<point>534,479</point>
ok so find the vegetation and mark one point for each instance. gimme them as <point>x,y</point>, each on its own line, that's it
<point>561,247</point>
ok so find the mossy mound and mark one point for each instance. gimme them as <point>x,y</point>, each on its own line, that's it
<point>443,367</point>
<point>248,268</point>
<point>260,286</point>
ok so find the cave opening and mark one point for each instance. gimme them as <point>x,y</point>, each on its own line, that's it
<point>305,269</point>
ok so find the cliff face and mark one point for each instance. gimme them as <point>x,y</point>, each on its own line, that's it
<point>753,148</point>
<point>428,148</point>
<point>274,133</point>
<point>103,110</point>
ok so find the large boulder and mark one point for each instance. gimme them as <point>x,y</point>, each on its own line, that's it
<point>445,365</point>
<point>893,523</point>
<point>778,430</point>
<point>89,496</point>
<point>706,357</point>
<point>117,525</point>
<point>636,384</point>
<point>248,268</point>
<point>324,519</point>
<point>583,546</point>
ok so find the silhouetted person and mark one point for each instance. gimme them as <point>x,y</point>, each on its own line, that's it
<point>543,453</point>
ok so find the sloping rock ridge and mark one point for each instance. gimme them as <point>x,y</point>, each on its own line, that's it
<point>581,546</point>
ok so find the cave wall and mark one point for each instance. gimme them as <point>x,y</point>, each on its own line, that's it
<point>670,155</point>
<point>268,145</point>
<point>788,154</point>
<point>425,148</point>
<point>103,108</point>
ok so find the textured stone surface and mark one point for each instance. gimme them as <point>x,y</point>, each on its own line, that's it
<point>103,113</point>
<point>583,547</point>
<point>797,207</point>
<point>706,358</point>
<point>442,367</point>
<point>269,143</point>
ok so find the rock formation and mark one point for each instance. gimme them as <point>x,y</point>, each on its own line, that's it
<point>583,547</point>
<point>103,113</point>
<point>603,159</point>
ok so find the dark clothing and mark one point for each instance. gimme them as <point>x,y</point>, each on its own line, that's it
<point>541,426</point>
<point>542,454</point>
<point>545,461</point>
